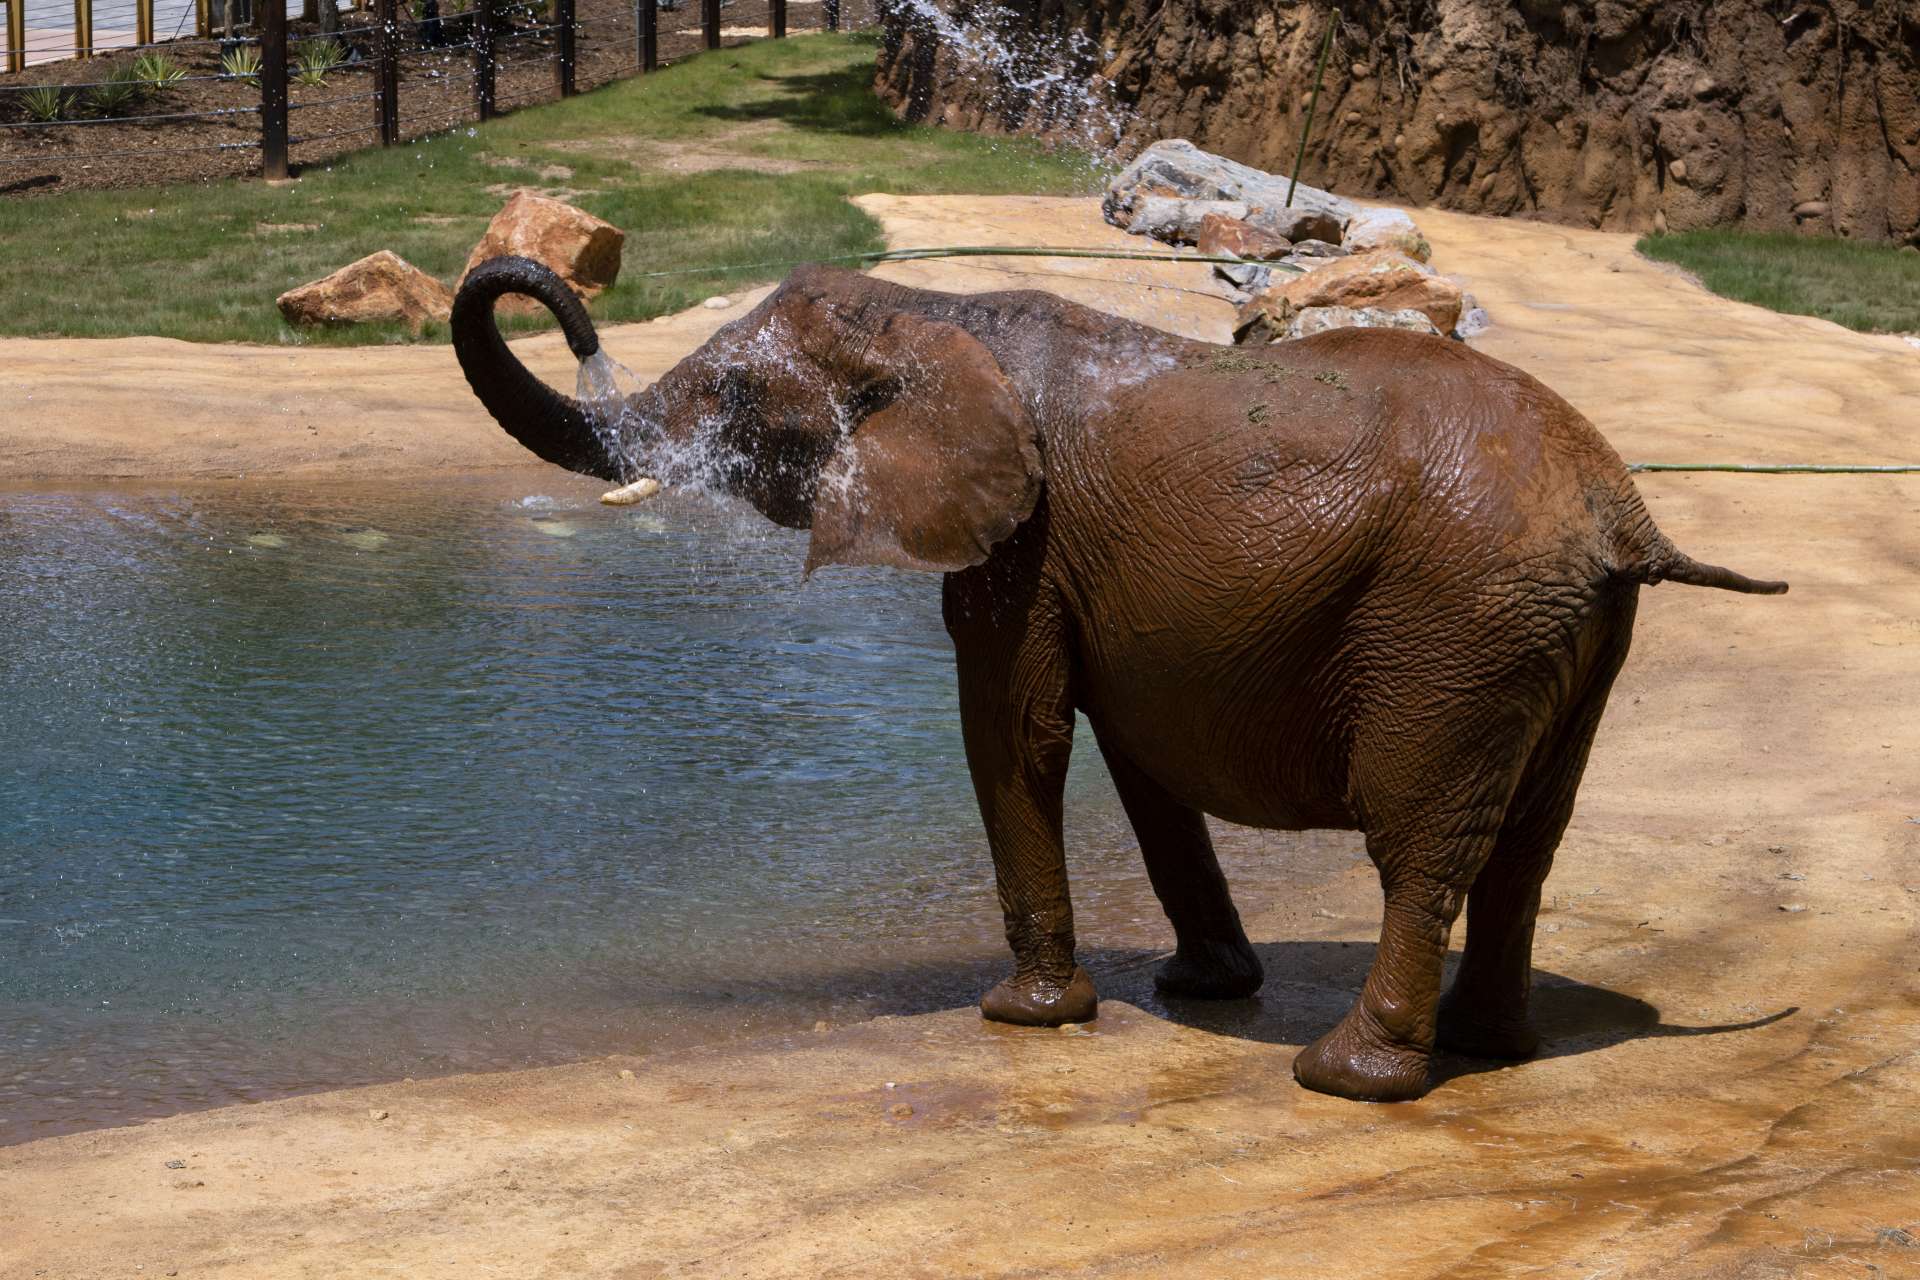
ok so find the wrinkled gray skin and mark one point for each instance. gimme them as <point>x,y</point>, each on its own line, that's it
<point>1368,580</point>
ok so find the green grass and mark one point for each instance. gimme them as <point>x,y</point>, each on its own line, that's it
<point>205,262</point>
<point>1871,287</point>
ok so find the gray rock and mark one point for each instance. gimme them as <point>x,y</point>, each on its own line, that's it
<point>1386,229</point>
<point>1177,221</point>
<point>1317,249</point>
<point>1474,319</point>
<point>1176,168</point>
<point>1297,224</point>
<point>1311,320</point>
<point>1250,276</point>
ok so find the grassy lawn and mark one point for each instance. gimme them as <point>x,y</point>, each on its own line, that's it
<point>1871,287</point>
<point>770,139</point>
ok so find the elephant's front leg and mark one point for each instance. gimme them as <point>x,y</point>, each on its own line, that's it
<point>1017,721</point>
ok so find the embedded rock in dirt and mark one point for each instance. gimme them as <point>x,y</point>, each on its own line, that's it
<point>1602,113</point>
<point>1220,234</point>
<point>1383,279</point>
<point>1386,229</point>
<point>580,248</point>
<point>1178,170</point>
<point>380,286</point>
<point>1287,324</point>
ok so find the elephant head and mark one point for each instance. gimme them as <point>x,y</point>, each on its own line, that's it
<point>834,406</point>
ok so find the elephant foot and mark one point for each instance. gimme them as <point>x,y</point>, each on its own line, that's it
<point>1352,1061</point>
<point>1039,1002</point>
<point>1211,971</point>
<point>1464,1031</point>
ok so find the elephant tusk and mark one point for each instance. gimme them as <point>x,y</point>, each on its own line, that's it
<point>627,495</point>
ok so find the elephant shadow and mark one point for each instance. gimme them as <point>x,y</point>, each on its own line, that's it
<point>1311,985</point>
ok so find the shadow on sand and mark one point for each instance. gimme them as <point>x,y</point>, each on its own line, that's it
<point>1309,987</point>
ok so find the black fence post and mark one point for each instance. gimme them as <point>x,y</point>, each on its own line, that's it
<point>647,16</point>
<point>565,46</point>
<point>387,73</point>
<point>710,22</point>
<point>273,89</point>
<point>777,18</point>
<point>483,58</point>
<point>832,8</point>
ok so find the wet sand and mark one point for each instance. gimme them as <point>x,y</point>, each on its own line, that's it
<point>1726,963</point>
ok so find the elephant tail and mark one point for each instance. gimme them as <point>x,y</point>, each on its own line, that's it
<point>557,427</point>
<point>1643,554</point>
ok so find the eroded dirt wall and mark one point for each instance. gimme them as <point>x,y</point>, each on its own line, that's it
<point>1621,114</point>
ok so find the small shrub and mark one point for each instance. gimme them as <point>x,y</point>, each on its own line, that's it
<point>241,63</point>
<point>317,57</point>
<point>46,104</point>
<point>157,71</point>
<point>117,93</point>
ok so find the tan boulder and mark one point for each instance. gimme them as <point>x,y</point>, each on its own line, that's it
<point>1220,234</point>
<point>380,286</point>
<point>1383,280</point>
<point>581,249</point>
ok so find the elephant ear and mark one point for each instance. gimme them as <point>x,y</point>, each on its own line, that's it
<point>945,467</point>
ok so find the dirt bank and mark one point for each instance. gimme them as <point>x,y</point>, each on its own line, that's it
<point>1623,114</point>
<point>1725,965</point>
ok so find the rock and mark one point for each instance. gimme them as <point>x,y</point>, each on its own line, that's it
<point>1381,280</point>
<point>718,302</point>
<point>1221,234</point>
<point>1297,223</point>
<point>626,1073</point>
<point>379,287</point>
<point>1386,229</point>
<point>1311,248</point>
<point>578,247</point>
<point>1793,906</point>
<point>1474,320</point>
<point>1286,324</point>
<point>1176,168</point>
<point>1810,209</point>
<point>1177,221</point>
<point>1677,170</point>
<point>1249,277</point>
<point>377,1113</point>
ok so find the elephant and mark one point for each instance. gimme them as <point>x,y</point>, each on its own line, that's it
<point>1370,580</point>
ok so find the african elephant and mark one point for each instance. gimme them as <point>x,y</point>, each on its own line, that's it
<point>1370,580</point>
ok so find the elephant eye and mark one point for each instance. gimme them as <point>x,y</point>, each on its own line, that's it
<point>871,397</point>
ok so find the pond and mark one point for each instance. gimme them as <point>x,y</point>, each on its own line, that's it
<point>303,786</point>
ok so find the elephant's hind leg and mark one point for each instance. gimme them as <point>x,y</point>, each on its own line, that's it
<point>1212,959</point>
<point>1429,836</point>
<point>1485,1014</point>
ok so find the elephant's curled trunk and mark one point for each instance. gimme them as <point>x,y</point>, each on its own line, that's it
<point>557,427</point>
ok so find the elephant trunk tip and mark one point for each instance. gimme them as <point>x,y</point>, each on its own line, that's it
<point>495,277</point>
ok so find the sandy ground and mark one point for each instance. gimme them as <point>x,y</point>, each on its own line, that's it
<point>1726,964</point>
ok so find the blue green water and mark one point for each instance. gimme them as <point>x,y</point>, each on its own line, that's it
<point>307,786</point>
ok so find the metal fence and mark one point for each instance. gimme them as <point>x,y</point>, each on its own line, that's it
<point>291,83</point>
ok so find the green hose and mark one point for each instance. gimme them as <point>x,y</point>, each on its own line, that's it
<point>1776,468</point>
<point>1143,255</point>
<point>978,251</point>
